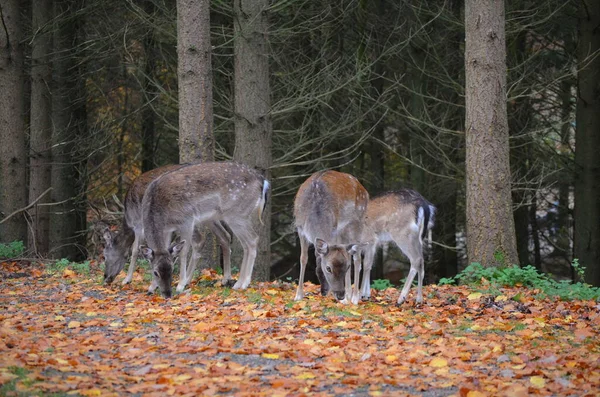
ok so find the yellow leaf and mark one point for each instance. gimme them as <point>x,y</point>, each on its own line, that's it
<point>74,324</point>
<point>438,362</point>
<point>59,318</point>
<point>68,273</point>
<point>474,296</point>
<point>306,375</point>
<point>355,313</point>
<point>537,381</point>
<point>341,324</point>
<point>475,393</point>
<point>90,392</point>
<point>115,324</point>
<point>270,356</point>
<point>91,314</point>
<point>375,393</point>
<point>201,327</point>
<point>390,358</point>
<point>271,291</point>
<point>308,342</point>
<point>501,298</point>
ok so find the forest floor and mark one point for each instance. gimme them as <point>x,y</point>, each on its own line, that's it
<point>66,334</point>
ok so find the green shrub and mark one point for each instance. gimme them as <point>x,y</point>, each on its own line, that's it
<point>62,264</point>
<point>12,250</point>
<point>509,276</point>
<point>381,284</point>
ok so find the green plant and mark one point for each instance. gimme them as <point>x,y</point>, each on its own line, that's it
<point>381,284</point>
<point>11,250</point>
<point>528,276</point>
<point>62,264</point>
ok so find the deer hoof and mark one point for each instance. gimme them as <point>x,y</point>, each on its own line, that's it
<point>228,283</point>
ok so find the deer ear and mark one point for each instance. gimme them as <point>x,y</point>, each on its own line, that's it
<point>353,248</point>
<point>321,247</point>
<point>108,237</point>
<point>175,249</point>
<point>147,252</point>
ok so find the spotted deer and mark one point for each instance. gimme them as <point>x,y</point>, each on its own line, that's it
<point>131,234</point>
<point>404,217</point>
<point>199,194</point>
<point>329,211</point>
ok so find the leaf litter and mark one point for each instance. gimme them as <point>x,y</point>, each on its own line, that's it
<point>69,334</point>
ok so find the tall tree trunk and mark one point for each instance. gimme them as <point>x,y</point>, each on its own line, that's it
<point>149,93</point>
<point>252,103</point>
<point>490,224</point>
<point>194,72</point>
<point>563,241</point>
<point>67,215</point>
<point>195,84</point>
<point>13,155</point>
<point>40,127</point>
<point>587,140</point>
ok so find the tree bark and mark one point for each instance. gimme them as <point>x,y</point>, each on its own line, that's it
<point>490,224</point>
<point>67,214</point>
<point>587,140</point>
<point>13,155</point>
<point>252,104</point>
<point>40,127</point>
<point>194,72</point>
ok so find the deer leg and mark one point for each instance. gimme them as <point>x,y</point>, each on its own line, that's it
<point>303,262</point>
<point>412,249</point>
<point>134,255</point>
<point>249,242</point>
<point>347,288</point>
<point>365,290</point>
<point>357,265</point>
<point>322,279</point>
<point>198,241</point>
<point>224,239</point>
<point>187,235</point>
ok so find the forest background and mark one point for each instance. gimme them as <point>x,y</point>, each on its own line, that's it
<point>97,92</point>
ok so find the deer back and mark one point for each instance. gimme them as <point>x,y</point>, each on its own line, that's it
<point>397,213</point>
<point>330,205</point>
<point>135,194</point>
<point>217,191</point>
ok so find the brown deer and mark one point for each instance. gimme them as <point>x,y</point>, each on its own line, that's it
<point>196,195</point>
<point>131,235</point>
<point>404,217</point>
<point>329,211</point>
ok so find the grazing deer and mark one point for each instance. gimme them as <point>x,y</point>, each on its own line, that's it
<point>329,211</point>
<point>200,194</point>
<point>131,234</point>
<point>404,217</point>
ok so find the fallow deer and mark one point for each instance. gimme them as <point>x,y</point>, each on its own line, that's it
<point>199,194</point>
<point>131,234</point>
<point>329,211</point>
<point>404,217</point>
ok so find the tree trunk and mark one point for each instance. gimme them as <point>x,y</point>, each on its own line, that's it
<point>40,127</point>
<point>194,72</point>
<point>252,104</point>
<point>67,215</point>
<point>587,140</point>
<point>13,155</point>
<point>490,224</point>
<point>149,93</point>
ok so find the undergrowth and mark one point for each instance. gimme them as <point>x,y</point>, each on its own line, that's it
<point>12,250</point>
<point>509,276</point>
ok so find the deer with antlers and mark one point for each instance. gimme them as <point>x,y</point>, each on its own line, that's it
<point>199,194</point>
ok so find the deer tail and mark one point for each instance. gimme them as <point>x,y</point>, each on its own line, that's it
<point>262,202</point>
